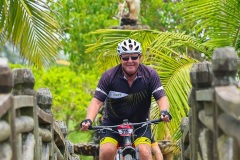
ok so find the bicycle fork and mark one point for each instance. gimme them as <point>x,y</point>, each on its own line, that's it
<point>128,149</point>
<point>120,153</point>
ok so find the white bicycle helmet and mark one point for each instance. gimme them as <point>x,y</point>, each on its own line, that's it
<point>129,46</point>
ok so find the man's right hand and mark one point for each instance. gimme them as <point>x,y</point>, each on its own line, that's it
<point>85,124</point>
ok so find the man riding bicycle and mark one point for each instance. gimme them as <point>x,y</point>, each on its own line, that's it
<point>126,92</point>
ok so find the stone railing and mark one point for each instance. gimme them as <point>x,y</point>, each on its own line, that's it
<point>212,130</point>
<point>27,128</point>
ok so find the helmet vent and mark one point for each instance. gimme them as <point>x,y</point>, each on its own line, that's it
<point>130,46</point>
<point>136,48</point>
<point>125,49</point>
<point>124,43</point>
<point>129,41</point>
<point>135,43</point>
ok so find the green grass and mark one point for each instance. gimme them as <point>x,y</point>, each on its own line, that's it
<point>80,137</point>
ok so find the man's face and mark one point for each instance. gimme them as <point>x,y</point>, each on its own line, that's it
<point>130,62</point>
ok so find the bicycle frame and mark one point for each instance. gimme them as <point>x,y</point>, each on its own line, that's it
<point>127,150</point>
<point>125,130</point>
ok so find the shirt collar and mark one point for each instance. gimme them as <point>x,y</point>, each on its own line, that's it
<point>139,72</point>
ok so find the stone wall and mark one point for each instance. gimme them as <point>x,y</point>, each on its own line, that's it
<point>28,130</point>
<point>212,129</point>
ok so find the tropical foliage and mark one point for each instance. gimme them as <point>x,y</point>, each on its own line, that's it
<point>162,15</point>
<point>77,19</point>
<point>30,26</point>
<point>217,22</point>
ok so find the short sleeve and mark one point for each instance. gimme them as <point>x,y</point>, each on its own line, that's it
<point>103,87</point>
<point>156,85</point>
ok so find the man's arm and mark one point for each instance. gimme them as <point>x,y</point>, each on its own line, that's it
<point>92,112</point>
<point>163,104</point>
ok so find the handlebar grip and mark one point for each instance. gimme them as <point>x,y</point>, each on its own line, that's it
<point>156,121</point>
<point>95,127</point>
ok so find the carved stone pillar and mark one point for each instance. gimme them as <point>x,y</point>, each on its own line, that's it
<point>23,82</point>
<point>201,78</point>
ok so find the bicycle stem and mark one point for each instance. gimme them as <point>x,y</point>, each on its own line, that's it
<point>127,141</point>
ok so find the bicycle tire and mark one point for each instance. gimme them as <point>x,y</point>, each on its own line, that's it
<point>128,157</point>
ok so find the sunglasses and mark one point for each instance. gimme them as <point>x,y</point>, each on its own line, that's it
<point>132,58</point>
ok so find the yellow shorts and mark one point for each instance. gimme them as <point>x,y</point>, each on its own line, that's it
<point>141,140</point>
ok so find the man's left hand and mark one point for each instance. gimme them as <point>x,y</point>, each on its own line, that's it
<point>165,116</point>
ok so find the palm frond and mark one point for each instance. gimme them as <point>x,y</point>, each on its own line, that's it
<point>174,74</point>
<point>218,20</point>
<point>168,43</point>
<point>30,25</point>
<point>3,12</point>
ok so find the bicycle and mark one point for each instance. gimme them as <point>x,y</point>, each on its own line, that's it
<point>126,130</point>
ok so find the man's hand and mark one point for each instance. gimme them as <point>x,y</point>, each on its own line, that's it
<point>85,124</point>
<point>165,116</point>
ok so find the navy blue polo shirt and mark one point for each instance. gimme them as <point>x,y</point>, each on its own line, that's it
<point>125,102</point>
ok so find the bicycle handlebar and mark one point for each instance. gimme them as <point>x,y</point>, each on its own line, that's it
<point>148,122</point>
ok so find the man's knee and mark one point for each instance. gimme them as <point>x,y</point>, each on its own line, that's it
<point>145,151</point>
<point>107,151</point>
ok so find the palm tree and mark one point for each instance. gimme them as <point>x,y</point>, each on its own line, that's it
<point>217,21</point>
<point>30,26</point>
<point>219,24</point>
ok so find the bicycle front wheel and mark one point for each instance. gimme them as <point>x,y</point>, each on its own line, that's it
<point>128,157</point>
